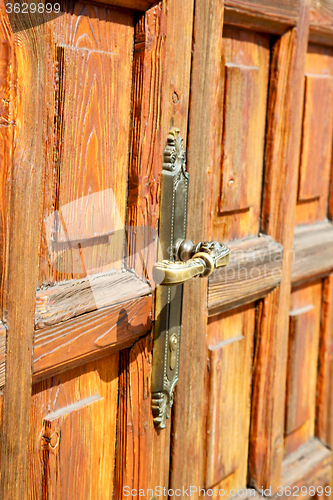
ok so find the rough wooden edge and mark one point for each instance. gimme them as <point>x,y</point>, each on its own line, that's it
<point>310,465</point>
<point>254,269</point>
<point>278,220</point>
<point>90,336</point>
<point>73,298</point>
<point>312,253</point>
<point>188,424</point>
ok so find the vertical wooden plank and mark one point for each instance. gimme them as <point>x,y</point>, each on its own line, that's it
<point>230,343</point>
<point>302,365</point>
<point>142,452</point>
<point>280,191</point>
<point>324,421</point>
<point>188,428</point>
<point>161,91</point>
<point>23,227</point>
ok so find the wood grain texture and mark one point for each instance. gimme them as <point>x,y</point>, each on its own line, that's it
<point>188,426</point>
<point>90,336</point>
<point>278,216</point>
<point>22,226</point>
<point>136,435</point>
<point>73,433</point>
<point>230,344</point>
<point>242,108</point>
<point>304,328</point>
<point>312,255</point>
<point>316,151</point>
<point>309,466</point>
<point>76,297</point>
<point>324,406</point>
<point>86,131</point>
<point>253,271</point>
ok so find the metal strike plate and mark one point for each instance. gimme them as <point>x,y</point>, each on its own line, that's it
<point>178,260</point>
<point>168,305</point>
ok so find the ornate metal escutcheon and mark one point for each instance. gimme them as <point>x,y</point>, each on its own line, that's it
<point>178,260</point>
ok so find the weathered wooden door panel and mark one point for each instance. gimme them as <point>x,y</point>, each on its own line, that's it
<point>110,89</point>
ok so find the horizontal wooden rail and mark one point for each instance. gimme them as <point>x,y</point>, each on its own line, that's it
<point>90,336</point>
<point>254,270</point>
<point>79,320</point>
<point>76,297</point>
<point>313,252</point>
<point>310,465</point>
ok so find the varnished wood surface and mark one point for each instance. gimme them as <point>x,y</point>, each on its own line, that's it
<point>283,140</point>
<point>90,336</point>
<point>73,298</point>
<point>312,254</point>
<point>253,271</point>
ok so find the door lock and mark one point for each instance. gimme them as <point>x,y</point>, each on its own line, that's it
<point>178,260</point>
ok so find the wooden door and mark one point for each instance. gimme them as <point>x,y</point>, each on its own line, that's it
<point>255,408</point>
<point>88,96</point>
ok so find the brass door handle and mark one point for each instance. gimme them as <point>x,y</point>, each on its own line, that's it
<point>193,260</point>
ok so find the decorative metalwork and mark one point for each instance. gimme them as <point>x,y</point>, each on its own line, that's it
<point>179,260</point>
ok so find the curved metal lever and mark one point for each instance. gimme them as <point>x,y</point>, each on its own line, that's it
<point>195,260</point>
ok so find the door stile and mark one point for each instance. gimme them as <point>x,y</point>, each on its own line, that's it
<point>22,227</point>
<point>188,423</point>
<point>161,89</point>
<point>280,190</point>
